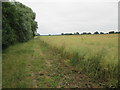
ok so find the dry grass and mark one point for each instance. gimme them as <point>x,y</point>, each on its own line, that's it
<point>96,55</point>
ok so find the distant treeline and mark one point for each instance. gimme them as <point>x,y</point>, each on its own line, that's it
<point>85,33</point>
<point>18,23</point>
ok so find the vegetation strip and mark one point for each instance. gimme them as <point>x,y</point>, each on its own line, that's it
<point>33,64</point>
<point>90,55</point>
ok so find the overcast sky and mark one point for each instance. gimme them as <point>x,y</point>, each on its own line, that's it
<point>57,16</point>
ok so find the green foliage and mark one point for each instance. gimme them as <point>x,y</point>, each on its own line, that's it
<point>19,23</point>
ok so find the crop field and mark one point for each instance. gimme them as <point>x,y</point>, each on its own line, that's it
<point>76,61</point>
<point>95,55</point>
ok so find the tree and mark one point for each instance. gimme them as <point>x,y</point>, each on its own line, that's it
<point>101,33</point>
<point>84,33</point>
<point>96,32</point>
<point>111,32</point>
<point>117,32</point>
<point>18,23</point>
<point>68,34</point>
<point>62,33</point>
<point>37,34</point>
<point>89,33</point>
<point>77,33</point>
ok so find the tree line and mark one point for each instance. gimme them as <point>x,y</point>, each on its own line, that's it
<point>85,33</point>
<point>18,23</point>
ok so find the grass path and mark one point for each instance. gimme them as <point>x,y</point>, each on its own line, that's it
<point>35,65</point>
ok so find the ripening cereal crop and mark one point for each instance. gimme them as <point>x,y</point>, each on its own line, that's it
<point>95,55</point>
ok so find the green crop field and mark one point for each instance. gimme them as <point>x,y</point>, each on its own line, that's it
<point>76,61</point>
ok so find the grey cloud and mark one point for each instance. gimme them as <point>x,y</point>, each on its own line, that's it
<point>61,17</point>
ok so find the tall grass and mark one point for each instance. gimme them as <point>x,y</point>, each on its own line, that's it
<point>15,69</point>
<point>94,55</point>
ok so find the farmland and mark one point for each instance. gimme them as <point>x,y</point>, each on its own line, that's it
<point>96,55</point>
<point>76,61</point>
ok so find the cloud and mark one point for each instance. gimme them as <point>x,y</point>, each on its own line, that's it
<point>54,17</point>
<point>68,0</point>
